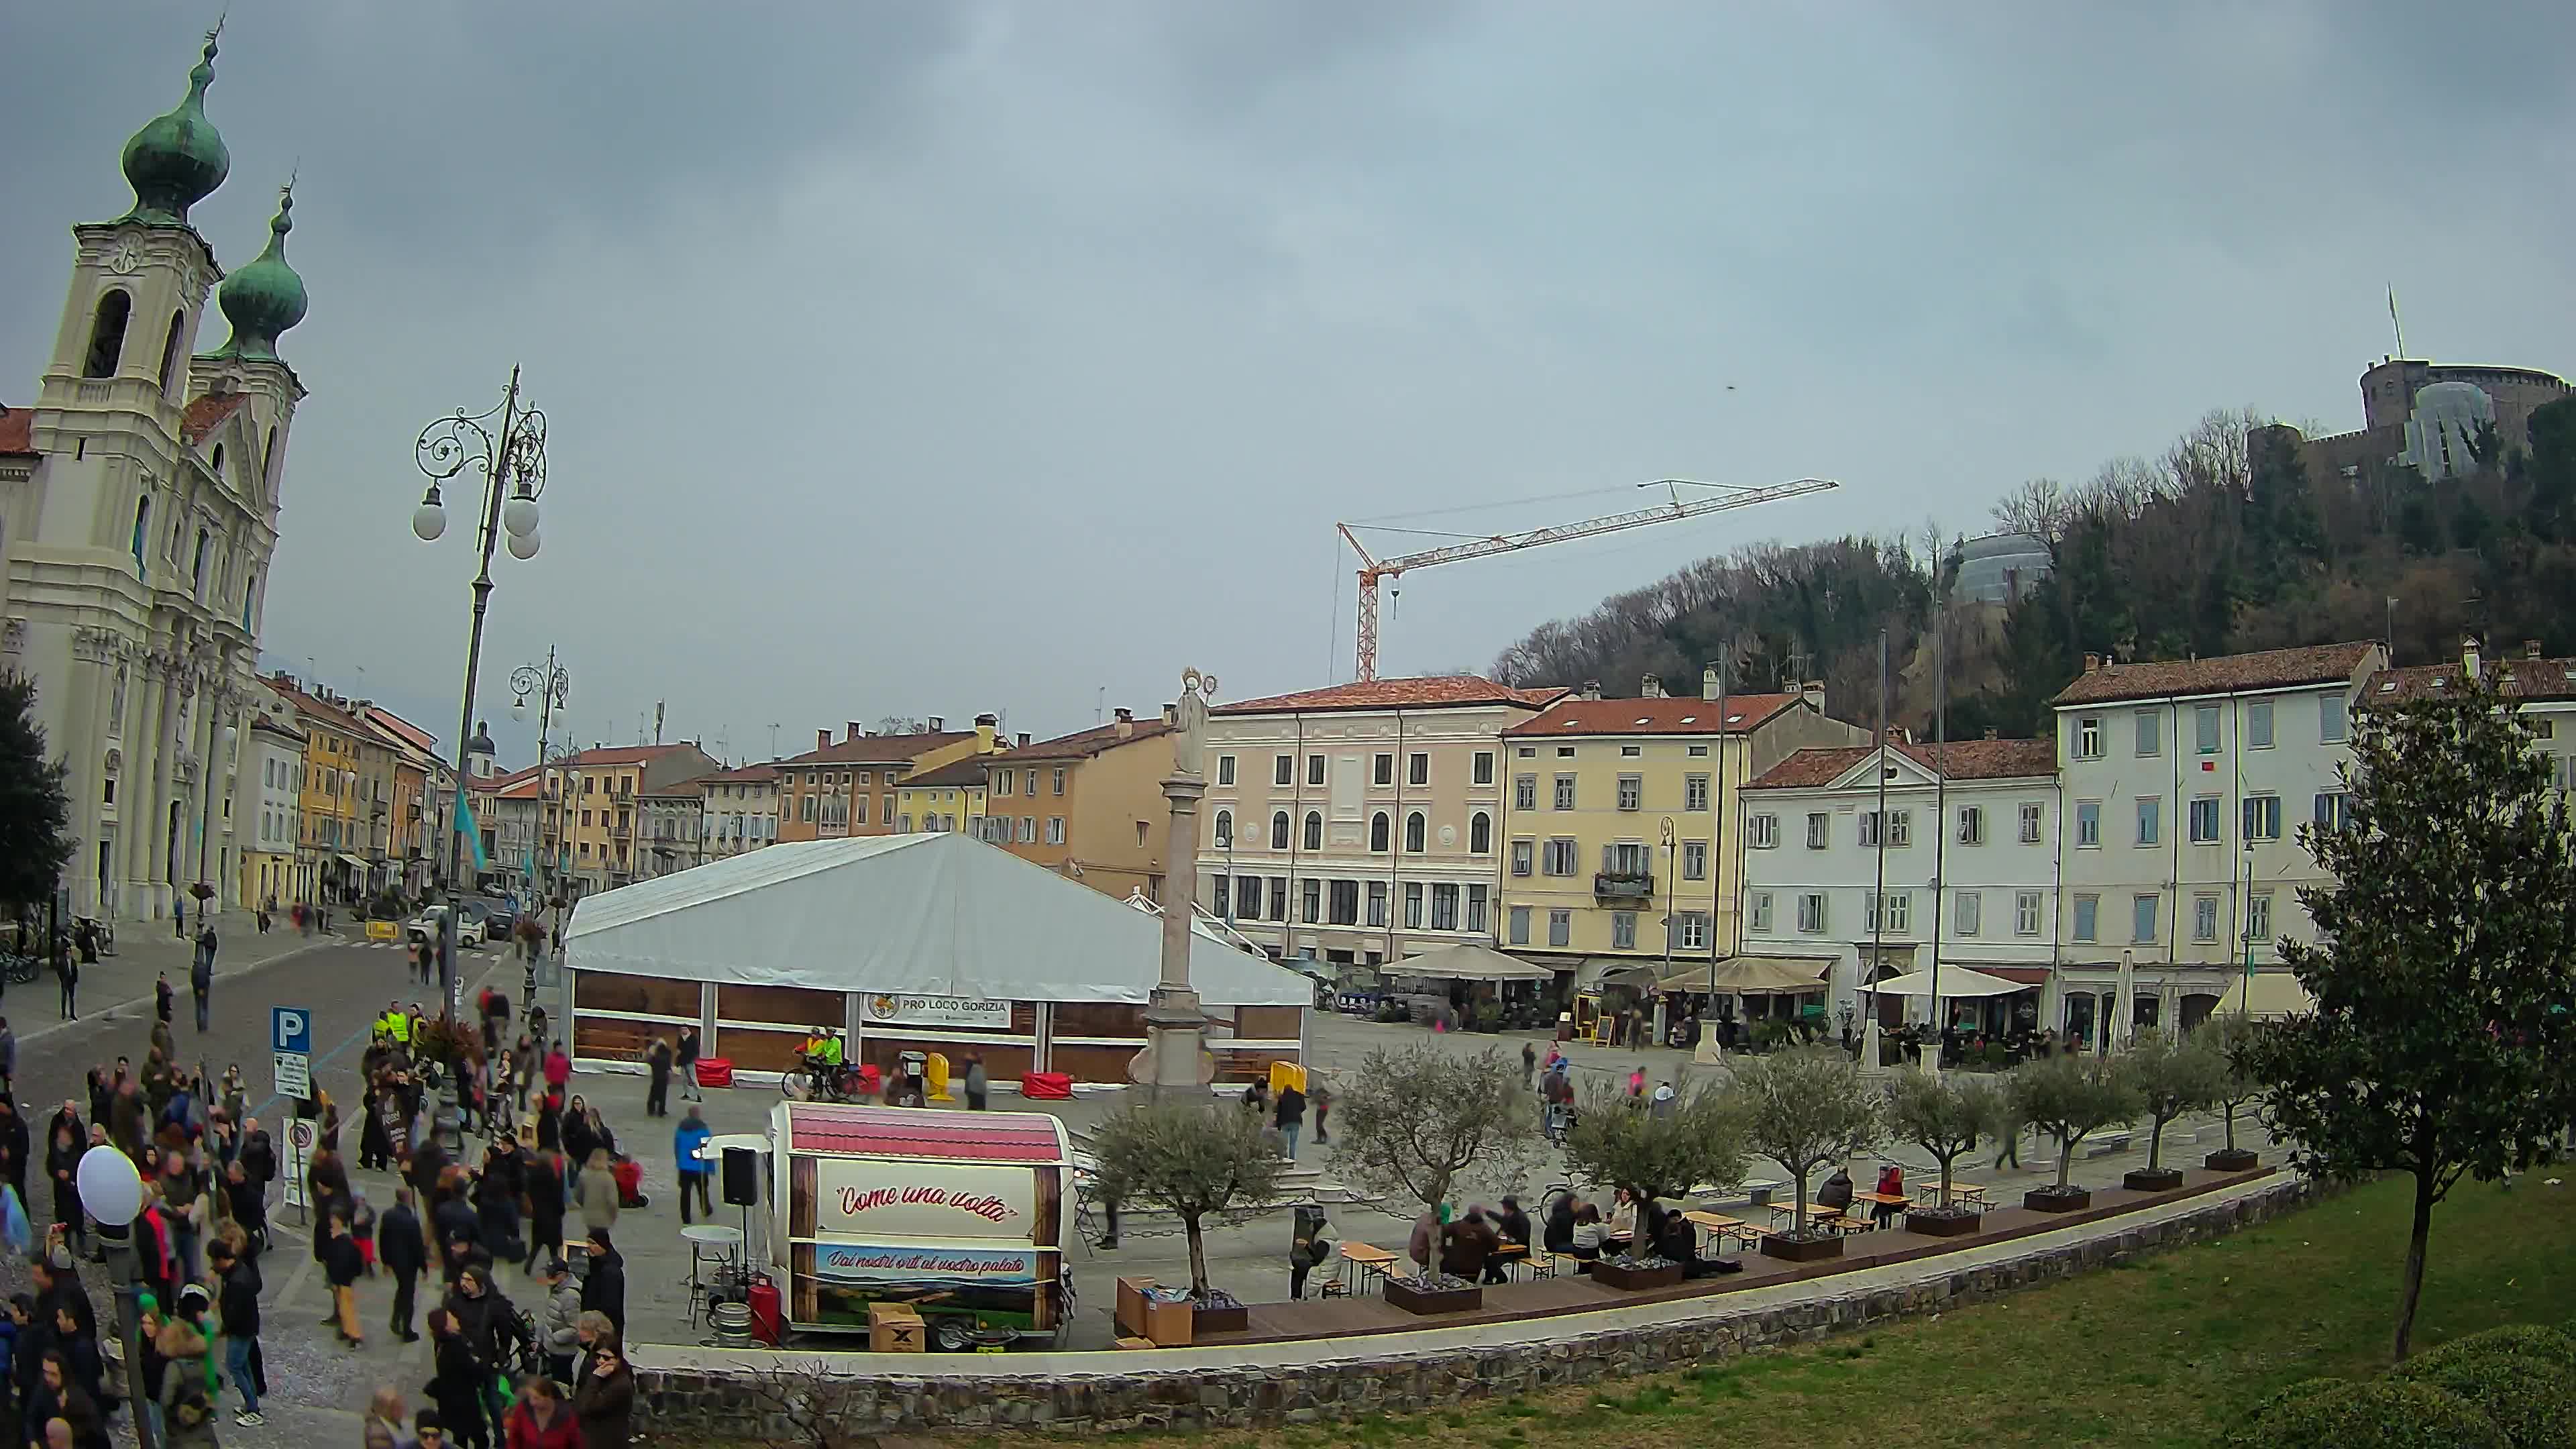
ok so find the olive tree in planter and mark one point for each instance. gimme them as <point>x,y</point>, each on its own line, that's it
<point>1420,1123</point>
<point>2232,1038</point>
<point>1946,1114</point>
<point>1622,1142</point>
<point>1194,1161</point>
<point>2070,1097</point>
<point>1802,1109</point>
<point>2172,1075</point>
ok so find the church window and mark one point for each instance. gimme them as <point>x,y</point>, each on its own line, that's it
<point>250,590</point>
<point>218,469</point>
<point>197,570</point>
<point>170,350</point>
<point>142,517</point>
<point>107,334</point>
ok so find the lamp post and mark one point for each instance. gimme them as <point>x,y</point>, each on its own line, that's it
<point>508,446</point>
<point>552,687</point>
<point>112,1193</point>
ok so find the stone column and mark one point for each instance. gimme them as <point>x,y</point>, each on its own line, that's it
<point>1173,1065</point>
<point>145,805</point>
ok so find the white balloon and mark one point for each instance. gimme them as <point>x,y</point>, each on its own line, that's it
<point>109,1189</point>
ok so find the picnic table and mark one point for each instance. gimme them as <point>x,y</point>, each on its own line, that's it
<point>1723,1227</point>
<point>1930,1192</point>
<point>1371,1260</point>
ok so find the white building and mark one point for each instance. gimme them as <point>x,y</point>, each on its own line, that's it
<point>741,811</point>
<point>1357,824</point>
<point>2185,782</point>
<point>1966,860</point>
<point>138,512</point>
<point>272,809</point>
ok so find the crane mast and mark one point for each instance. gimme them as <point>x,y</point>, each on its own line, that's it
<point>1374,569</point>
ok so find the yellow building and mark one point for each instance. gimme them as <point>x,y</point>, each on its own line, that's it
<point>331,844</point>
<point>838,790</point>
<point>1614,813</point>
<point>595,792</point>
<point>945,797</point>
<point>1088,805</point>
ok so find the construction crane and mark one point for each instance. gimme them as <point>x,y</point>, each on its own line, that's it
<point>1373,569</point>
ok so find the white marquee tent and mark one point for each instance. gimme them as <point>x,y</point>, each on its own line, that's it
<point>926,914</point>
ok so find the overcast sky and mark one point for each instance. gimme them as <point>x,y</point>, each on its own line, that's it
<point>934,358</point>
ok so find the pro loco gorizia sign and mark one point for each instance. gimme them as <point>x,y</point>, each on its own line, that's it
<point>847,1263</point>
<point>868,1199</point>
<point>953,1011</point>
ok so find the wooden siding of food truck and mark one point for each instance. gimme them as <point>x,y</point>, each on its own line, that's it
<point>814,1302</point>
<point>1031,1301</point>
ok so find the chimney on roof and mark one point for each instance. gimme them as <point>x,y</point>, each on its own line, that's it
<point>2092,662</point>
<point>1990,732</point>
<point>1650,687</point>
<point>938,724</point>
<point>852,729</point>
<point>988,728</point>
<point>822,739</point>
<point>2468,657</point>
<point>1592,689</point>
<point>1813,692</point>
<point>1171,714</point>
<point>1709,688</point>
<point>2530,648</point>
<point>1126,723</point>
<point>1023,738</point>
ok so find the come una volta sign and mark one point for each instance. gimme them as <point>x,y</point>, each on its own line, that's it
<point>937,1011</point>
<point>879,1200</point>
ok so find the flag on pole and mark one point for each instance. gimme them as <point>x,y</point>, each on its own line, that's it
<point>473,832</point>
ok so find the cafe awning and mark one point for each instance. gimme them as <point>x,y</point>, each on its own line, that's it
<point>2266,993</point>
<point>352,862</point>
<point>1752,976</point>
<point>1468,962</point>
<point>1955,981</point>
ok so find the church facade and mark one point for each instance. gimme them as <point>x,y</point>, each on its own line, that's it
<point>138,514</point>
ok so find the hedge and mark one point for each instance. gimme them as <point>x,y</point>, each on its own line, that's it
<point>2528,1399</point>
<point>2516,1340</point>
<point>2380,1414</point>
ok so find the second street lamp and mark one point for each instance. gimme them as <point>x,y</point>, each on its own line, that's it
<point>507,445</point>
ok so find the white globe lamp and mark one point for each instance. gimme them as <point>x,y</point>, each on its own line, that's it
<point>109,1189</point>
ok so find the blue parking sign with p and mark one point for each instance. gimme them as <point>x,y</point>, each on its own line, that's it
<point>290,1029</point>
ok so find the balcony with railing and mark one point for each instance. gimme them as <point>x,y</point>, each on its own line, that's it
<point>1623,885</point>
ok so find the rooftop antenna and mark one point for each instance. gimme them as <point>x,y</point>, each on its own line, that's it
<point>773,739</point>
<point>2399,327</point>
<point>1099,703</point>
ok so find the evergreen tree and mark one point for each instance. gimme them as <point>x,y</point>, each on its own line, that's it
<point>2441,1043</point>
<point>35,818</point>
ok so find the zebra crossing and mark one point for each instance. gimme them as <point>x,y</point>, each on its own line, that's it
<point>489,951</point>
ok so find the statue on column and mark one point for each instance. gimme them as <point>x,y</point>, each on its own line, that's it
<point>1189,731</point>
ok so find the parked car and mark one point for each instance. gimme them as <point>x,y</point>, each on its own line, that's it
<point>469,925</point>
<point>500,917</point>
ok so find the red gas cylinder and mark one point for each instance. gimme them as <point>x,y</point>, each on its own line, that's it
<point>768,1318</point>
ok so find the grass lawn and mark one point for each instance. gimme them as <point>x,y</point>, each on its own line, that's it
<point>2166,1351</point>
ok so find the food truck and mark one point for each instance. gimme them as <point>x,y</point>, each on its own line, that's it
<point>959,1215</point>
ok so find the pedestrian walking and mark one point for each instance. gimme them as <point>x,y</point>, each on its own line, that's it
<point>979,1085</point>
<point>67,973</point>
<point>403,1252</point>
<point>342,1266</point>
<point>2008,1140</point>
<point>562,1328</point>
<point>201,974</point>
<point>457,1382</point>
<point>62,1165</point>
<point>545,1190</point>
<point>694,1169</point>
<point>1323,1100</point>
<point>541,1419</point>
<point>1529,1063</point>
<point>657,1090</point>
<point>603,1288</point>
<point>8,1057</point>
<point>1290,1117</point>
<point>162,996</point>
<point>687,1061</point>
<point>238,1283</point>
<point>605,1403</point>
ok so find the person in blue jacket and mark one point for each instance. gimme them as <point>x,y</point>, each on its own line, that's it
<point>694,1170</point>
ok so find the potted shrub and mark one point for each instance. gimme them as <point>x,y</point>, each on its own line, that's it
<point>1196,1161</point>
<point>2070,1098</point>
<point>2172,1075</point>
<point>1434,1292</point>
<point>1803,1109</point>
<point>2229,1037</point>
<point>1947,1115</point>
<point>1619,1141</point>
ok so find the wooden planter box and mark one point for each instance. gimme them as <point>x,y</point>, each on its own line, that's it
<point>2161,1179</point>
<point>1943,1223</point>
<point>1802,1250</point>
<point>1635,1280</point>
<point>2050,1200</point>
<point>1234,1319</point>
<point>1437,1300</point>
<point>2231,1159</point>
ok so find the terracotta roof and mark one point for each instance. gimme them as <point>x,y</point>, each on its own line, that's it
<point>878,749</point>
<point>1963,760</point>
<point>1666,716</point>
<point>17,431</point>
<point>315,707</point>
<point>1436,691</point>
<point>747,775</point>
<point>523,788</point>
<point>697,786</point>
<point>2267,669</point>
<point>968,771</point>
<point>208,413</point>
<point>622,755</point>
<point>2522,677</point>
<point>1083,744</point>
<point>274,727</point>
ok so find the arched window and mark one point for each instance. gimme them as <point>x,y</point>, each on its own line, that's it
<point>1377,831</point>
<point>170,350</point>
<point>197,567</point>
<point>1224,829</point>
<point>1314,830</point>
<point>1480,833</point>
<point>142,519</point>
<point>218,466</point>
<point>268,458</point>
<point>1279,830</point>
<point>107,334</point>
<point>250,592</point>
<point>1413,830</point>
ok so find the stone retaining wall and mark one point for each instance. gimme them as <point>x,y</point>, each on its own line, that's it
<point>742,1400</point>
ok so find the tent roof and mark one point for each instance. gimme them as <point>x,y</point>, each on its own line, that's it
<point>1754,976</point>
<point>927,914</point>
<point>1468,961</point>
<point>1955,981</point>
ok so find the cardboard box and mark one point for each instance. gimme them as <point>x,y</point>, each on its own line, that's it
<point>895,1328</point>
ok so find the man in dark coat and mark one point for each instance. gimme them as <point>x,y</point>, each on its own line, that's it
<point>603,1289</point>
<point>400,1247</point>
